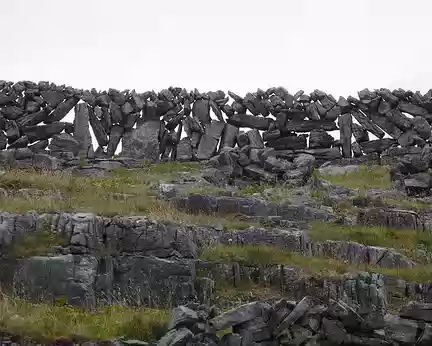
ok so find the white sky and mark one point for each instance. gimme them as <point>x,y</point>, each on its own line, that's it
<point>337,46</point>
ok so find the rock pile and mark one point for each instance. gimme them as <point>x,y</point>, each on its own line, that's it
<point>150,124</point>
<point>258,164</point>
<point>412,173</point>
<point>298,323</point>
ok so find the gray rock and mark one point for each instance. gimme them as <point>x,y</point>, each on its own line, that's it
<point>301,308</point>
<point>201,111</point>
<point>345,123</point>
<point>144,143</point>
<point>402,219</point>
<point>309,125</point>
<point>176,338</point>
<point>229,136</point>
<point>98,129</point>
<point>64,142</point>
<point>412,109</point>
<point>417,311</point>
<point>289,142</point>
<point>183,317</point>
<point>401,330</point>
<point>42,132</point>
<point>82,131</point>
<point>320,139</point>
<point>241,314</point>
<point>255,140</point>
<point>62,110</point>
<point>184,150</point>
<point>246,120</point>
<point>210,140</point>
<point>257,173</point>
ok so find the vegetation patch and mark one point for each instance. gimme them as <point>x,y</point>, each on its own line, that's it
<point>408,203</point>
<point>257,255</point>
<point>405,240</point>
<point>40,243</point>
<point>366,178</point>
<point>47,323</point>
<point>124,192</point>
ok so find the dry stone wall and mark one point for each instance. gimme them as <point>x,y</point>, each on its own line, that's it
<point>150,125</point>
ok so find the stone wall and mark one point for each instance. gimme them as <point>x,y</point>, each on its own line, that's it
<point>150,124</point>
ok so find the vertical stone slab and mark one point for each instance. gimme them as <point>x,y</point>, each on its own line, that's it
<point>229,136</point>
<point>144,142</point>
<point>82,131</point>
<point>345,122</point>
<point>209,142</point>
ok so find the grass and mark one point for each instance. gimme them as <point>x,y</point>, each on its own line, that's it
<point>47,323</point>
<point>405,240</point>
<point>125,192</point>
<point>408,203</point>
<point>209,190</point>
<point>36,244</point>
<point>258,255</point>
<point>365,179</point>
<point>267,255</point>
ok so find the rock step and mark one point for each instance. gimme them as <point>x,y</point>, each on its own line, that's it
<point>85,280</point>
<point>87,233</point>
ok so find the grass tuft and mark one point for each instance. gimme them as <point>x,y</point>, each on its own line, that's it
<point>365,179</point>
<point>47,323</point>
<point>407,241</point>
<point>257,255</point>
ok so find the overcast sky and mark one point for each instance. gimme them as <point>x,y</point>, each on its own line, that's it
<point>338,46</point>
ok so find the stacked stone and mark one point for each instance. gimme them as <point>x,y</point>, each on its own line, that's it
<point>298,323</point>
<point>150,124</point>
<point>412,173</point>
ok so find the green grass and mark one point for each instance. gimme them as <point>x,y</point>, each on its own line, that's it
<point>365,179</point>
<point>124,192</point>
<point>314,266</point>
<point>209,190</point>
<point>405,240</point>
<point>36,244</point>
<point>408,203</point>
<point>47,323</point>
<point>268,255</point>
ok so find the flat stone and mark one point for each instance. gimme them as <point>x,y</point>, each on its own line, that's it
<point>290,142</point>
<point>309,125</point>
<point>246,120</point>
<point>42,132</point>
<point>62,110</point>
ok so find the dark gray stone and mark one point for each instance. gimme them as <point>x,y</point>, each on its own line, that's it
<point>229,136</point>
<point>201,111</point>
<point>319,139</point>
<point>42,132</point>
<point>210,140</point>
<point>82,131</point>
<point>114,140</point>
<point>64,142</point>
<point>246,120</point>
<point>98,129</point>
<point>255,140</point>
<point>290,142</point>
<point>309,125</point>
<point>144,143</point>
<point>62,110</point>
<point>377,146</point>
<point>345,123</point>
<point>184,150</point>
<point>367,124</point>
